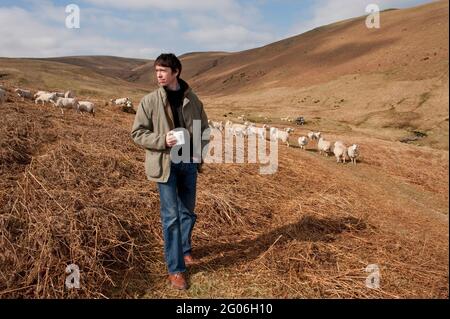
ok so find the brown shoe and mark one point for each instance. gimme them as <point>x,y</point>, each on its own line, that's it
<point>190,261</point>
<point>178,281</point>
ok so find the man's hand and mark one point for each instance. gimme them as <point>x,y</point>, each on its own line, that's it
<point>170,140</point>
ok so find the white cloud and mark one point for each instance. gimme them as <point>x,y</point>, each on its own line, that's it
<point>230,37</point>
<point>30,33</point>
<point>38,30</point>
<point>169,5</point>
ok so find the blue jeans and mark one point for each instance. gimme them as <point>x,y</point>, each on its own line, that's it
<point>177,198</point>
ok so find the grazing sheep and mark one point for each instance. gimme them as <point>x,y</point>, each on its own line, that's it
<point>303,141</point>
<point>69,94</point>
<point>353,153</point>
<point>85,106</point>
<point>216,125</point>
<point>38,93</point>
<point>66,103</point>
<point>121,101</point>
<point>2,96</point>
<point>45,97</point>
<point>289,130</point>
<point>239,129</point>
<point>340,151</point>
<point>24,94</point>
<point>323,146</point>
<point>276,134</point>
<point>260,132</point>
<point>314,135</point>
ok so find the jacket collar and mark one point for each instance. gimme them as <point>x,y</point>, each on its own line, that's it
<point>183,84</point>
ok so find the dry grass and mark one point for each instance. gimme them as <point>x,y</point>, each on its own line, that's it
<point>73,190</point>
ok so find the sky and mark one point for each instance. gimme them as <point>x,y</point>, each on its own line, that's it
<point>146,28</point>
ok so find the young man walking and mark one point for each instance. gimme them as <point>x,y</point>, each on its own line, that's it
<point>173,106</point>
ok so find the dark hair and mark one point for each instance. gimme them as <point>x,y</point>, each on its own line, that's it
<point>169,60</point>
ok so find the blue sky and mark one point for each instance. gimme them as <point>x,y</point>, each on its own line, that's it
<point>145,28</point>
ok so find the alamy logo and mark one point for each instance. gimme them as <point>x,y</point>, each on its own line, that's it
<point>373,279</point>
<point>73,279</point>
<point>373,19</point>
<point>73,17</point>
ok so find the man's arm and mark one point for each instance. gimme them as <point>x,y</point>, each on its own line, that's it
<point>143,133</point>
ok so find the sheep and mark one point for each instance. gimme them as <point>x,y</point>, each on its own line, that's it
<point>121,101</point>
<point>38,93</point>
<point>216,125</point>
<point>258,131</point>
<point>276,134</point>
<point>69,94</point>
<point>239,129</point>
<point>66,103</point>
<point>45,97</point>
<point>242,118</point>
<point>303,141</point>
<point>323,146</point>
<point>60,94</point>
<point>2,96</point>
<point>314,135</point>
<point>340,151</point>
<point>24,94</point>
<point>353,153</point>
<point>85,106</point>
<point>289,129</point>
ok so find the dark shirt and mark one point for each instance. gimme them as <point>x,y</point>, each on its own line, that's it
<point>176,99</point>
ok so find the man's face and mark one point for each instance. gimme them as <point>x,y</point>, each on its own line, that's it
<point>165,76</point>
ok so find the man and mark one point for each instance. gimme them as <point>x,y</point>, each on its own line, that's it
<point>173,106</point>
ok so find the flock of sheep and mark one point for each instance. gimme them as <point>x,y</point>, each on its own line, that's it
<point>338,148</point>
<point>68,101</point>
<point>61,100</point>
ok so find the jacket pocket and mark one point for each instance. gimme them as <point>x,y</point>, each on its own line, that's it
<point>153,163</point>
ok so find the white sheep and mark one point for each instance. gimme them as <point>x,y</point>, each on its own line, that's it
<point>38,93</point>
<point>289,130</point>
<point>303,141</point>
<point>314,135</point>
<point>69,94</point>
<point>239,129</point>
<point>121,101</point>
<point>323,146</point>
<point>276,134</point>
<point>260,132</point>
<point>85,106</point>
<point>45,97</point>
<point>66,103</point>
<point>353,153</point>
<point>216,125</point>
<point>24,94</point>
<point>340,151</point>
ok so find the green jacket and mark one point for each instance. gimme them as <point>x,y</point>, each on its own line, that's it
<point>154,119</point>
